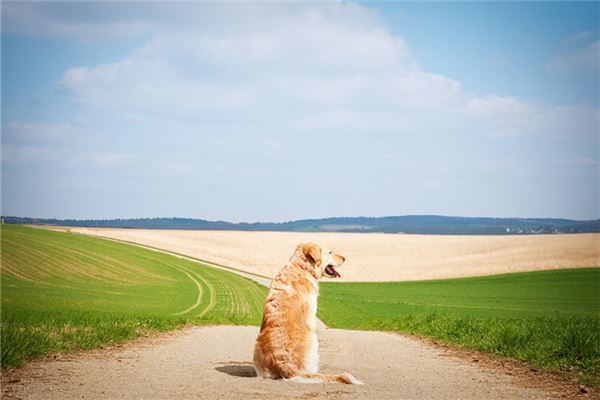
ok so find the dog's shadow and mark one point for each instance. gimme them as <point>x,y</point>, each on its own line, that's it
<point>240,369</point>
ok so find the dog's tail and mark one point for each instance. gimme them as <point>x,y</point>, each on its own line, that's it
<point>320,378</point>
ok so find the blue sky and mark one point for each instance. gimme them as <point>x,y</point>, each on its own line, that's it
<point>271,112</point>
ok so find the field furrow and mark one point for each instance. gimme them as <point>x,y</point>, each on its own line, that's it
<point>198,297</point>
<point>63,291</point>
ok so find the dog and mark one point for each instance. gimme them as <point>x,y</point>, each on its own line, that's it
<point>287,346</point>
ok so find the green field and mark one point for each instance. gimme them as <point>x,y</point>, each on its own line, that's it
<point>62,292</point>
<point>550,319</point>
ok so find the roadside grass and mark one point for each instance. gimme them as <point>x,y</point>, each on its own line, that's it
<point>62,292</point>
<point>550,319</point>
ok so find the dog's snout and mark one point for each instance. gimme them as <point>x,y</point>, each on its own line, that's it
<point>342,258</point>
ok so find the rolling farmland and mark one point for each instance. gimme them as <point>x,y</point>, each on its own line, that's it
<point>64,291</point>
<point>376,257</point>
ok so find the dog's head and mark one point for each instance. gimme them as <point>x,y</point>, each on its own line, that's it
<point>318,260</point>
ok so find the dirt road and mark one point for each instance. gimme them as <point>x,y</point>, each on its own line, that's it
<point>215,363</point>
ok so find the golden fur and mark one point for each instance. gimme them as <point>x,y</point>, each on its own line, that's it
<point>287,345</point>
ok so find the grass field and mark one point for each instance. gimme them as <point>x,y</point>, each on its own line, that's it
<point>62,292</point>
<point>548,318</point>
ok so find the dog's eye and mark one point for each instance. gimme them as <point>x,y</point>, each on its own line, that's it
<point>330,252</point>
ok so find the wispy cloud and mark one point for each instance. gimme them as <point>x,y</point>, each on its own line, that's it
<point>579,37</point>
<point>131,163</point>
<point>46,19</point>
<point>583,58</point>
<point>18,132</point>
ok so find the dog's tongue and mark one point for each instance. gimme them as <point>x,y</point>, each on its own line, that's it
<point>333,272</point>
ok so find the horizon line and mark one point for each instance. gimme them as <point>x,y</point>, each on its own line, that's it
<point>300,219</point>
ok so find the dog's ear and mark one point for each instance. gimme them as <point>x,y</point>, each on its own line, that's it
<point>312,252</point>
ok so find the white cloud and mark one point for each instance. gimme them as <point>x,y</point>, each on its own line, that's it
<point>231,82</point>
<point>306,65</point>
<point>313,69</point>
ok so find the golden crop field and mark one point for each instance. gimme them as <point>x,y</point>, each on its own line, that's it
<point>373,256</point>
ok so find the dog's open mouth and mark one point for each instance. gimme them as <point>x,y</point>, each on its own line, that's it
<point>329,270</point>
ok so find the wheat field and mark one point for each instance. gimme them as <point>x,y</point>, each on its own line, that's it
<point>375,257</point>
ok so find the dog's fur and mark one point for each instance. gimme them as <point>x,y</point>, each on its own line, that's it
<point>287,345</point>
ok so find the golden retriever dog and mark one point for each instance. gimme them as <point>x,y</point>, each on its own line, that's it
<point>287,345</point>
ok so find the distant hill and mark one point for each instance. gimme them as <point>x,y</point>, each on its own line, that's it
<point>422,224</point>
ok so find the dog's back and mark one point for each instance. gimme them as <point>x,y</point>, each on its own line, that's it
<point>283,344</point>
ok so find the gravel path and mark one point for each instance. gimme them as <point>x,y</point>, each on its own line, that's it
<point>215,363</point>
